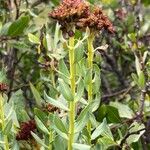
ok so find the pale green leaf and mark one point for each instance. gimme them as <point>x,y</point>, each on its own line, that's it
<point>124,110</point>
<point>99,130</point>
<point>41,125</point>
<point>81,146</point>
<point>38,139</point>
<point>65,90</point>
<point>34,39</point>
<point>54,102</point>
<point>36,94</point>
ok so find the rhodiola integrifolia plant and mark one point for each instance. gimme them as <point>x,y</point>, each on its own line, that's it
<point>67,14</point>
<point>73,15</point>
<point>95,21</point>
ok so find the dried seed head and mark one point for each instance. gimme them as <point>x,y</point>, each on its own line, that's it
<point>25,130</point>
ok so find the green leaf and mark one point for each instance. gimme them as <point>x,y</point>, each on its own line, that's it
<point>9,115</point>
<point>40,114</point>
<point>18,26</point>
<point>81,146</point>
<point>96,80</point>
<point>93,120</point>
<point>141,80</point>
<point>56,35</point>
<point>81,68</point>
<point>80,90</point>
<point>106,142</point>
<point>124,110</point>
<point>99,130</point>
<point>60,143</point>
<point>36,94</point>
<point>65,90</point>
<point>54,102</point>
<point>135,137</point>
<point>63,71</point>
<point>17,101</point>
<point>135,78</point>
<point>41,125</point>
<point>8,127</point>
<point>101,113</point>
<point>4,29</point>
<point>81,123</point>
<point>34,39</point>
<point>59,124</point>
<point>82,118</point>
<point>39,140</point>
<point>87,77</point>
<point>97,83</point>
<point>79,53</point>
<point>137,65</point>
<point>63,68</point>
<point>62,134</point>
<point>15,146</point>
<point>96,102</point>
<point>113,115</point>
<point>23,115</point>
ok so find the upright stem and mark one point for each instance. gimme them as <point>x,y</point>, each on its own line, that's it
<point>90,67</point>
<point>2,118</point>
<point>50,140</point>
<point>71,103</point>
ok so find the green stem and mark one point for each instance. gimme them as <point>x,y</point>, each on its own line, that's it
<point>90,67</point>
<point>50,140</point>
<point>2,117</point>
<point>72,103</point>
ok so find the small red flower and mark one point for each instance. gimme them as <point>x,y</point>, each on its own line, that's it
<point>50,108</point>
<point>3,87</point>
<point>25,130</point>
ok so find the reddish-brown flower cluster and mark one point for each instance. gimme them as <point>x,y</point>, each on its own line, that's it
<point>97,21</point>
<point>70,10</point>
<point>79,13</point>
<point>25,130</point>
<point>3,87</point>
